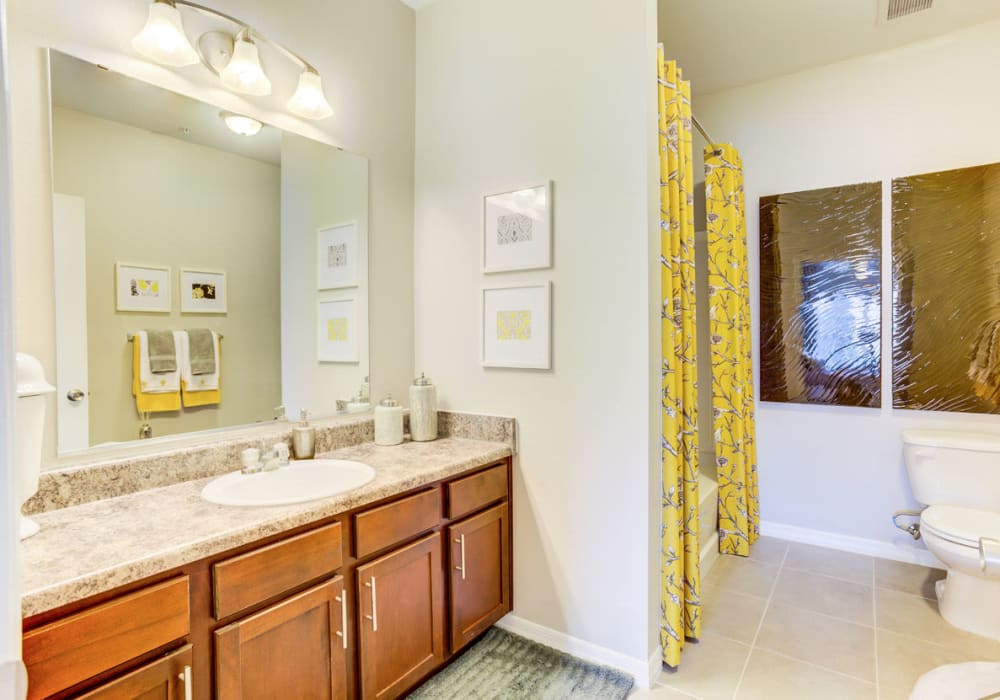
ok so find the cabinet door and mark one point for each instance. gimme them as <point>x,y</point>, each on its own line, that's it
<point>479,565</point>
<point>168,678</point>
<point>293,649</point>
<point>401,618</point>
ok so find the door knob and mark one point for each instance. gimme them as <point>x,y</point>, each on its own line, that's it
<point>75,395</point>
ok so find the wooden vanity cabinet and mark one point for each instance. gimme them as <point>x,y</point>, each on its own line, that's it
<point>365,604</point>
<point>168,678</point>
<point>294,649</point>
<point>479,569</point>
<point>400,618</point>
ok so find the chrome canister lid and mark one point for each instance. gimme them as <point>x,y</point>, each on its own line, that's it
<point>422,381</point>
<point>388,402</point>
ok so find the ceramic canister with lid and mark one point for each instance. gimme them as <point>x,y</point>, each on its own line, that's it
<point>423,410</point>
<point>388,422</point>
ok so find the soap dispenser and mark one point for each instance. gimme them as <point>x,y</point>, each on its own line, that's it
<point>388,422</point>
<point>423,410</point>
<point>304,438</point>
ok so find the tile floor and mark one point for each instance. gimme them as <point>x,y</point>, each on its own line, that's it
<point>797,622</point>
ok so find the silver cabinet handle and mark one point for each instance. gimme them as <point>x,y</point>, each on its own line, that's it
<point>342,599</point>
<point>75,395</point>
<point>185,676</point>
<point>461,541</point>
<point>374,616</point>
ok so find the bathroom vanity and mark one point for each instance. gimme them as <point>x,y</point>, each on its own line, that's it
<point>361,595</point>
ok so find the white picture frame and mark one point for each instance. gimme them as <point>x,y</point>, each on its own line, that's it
<point>203,291</point>
<point>517,229</point>
<point>336,331</point>
<point>337,256</point>
<point>516,325</point>
<point>142,288</point>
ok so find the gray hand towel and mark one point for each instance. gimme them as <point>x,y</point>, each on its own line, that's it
<point>162,353</point>
<point>201,347</point>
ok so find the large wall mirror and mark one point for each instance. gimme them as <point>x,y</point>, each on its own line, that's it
<point>261,238</point>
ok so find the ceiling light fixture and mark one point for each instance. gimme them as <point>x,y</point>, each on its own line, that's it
<point>241,124</point>
<point>163,39</point>
<point>244,73</point>
<point>235,59</point>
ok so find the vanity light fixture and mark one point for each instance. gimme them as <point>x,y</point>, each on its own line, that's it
<point>309,101</point>
<point>244,73</point>
<point>241,124</point>
<point>163,39</point>
<point>235,59</point>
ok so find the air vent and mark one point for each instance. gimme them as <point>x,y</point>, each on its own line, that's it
<point>902,8</point>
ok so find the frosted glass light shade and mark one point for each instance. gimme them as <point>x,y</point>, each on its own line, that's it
<point>309,101</point>
<point>242,125</point>
<point>244,73</point>
<point>163,39</point>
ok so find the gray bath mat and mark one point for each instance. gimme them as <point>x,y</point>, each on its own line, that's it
<point>503,666</point>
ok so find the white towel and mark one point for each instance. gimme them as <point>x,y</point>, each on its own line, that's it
<point>196,382</point>
<point>161,383</point>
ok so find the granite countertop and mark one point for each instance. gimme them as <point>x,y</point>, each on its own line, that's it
<point>94,547</point>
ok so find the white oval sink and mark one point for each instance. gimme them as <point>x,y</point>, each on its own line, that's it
<point>306,480</point>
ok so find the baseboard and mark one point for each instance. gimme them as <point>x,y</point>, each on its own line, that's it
<point>909,553</point>
<point>644,671</point>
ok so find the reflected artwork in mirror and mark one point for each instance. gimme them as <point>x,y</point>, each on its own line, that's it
<point>820,296</point>
<point>157,183</point>
<point>946,290</point>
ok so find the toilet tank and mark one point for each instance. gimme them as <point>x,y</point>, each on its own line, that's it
<point>953,468</point>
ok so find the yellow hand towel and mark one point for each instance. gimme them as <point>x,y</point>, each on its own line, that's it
<point>199,389</point>
<point>147,402</point>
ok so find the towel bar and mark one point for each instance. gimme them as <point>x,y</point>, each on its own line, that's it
<point>131,336</point>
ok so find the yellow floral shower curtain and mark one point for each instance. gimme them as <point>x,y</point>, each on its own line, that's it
<point>680,604</point>
<point>732,363</point>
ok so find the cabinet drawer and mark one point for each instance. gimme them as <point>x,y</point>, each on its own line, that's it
<point>68,651</point>
<point>473,492</point>
<point>386,525</point>
<point>252,578</point>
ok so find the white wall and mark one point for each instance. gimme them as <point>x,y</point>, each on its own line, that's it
<point>510,93</point>
<point>922,108</point>
<point>365,52</point>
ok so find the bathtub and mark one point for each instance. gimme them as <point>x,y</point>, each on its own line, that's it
<point>708,512</point>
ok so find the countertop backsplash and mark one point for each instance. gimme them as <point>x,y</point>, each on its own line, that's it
<point>108,477</point>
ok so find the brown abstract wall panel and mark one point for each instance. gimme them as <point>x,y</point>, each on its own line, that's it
<point>820,296</point>
<point>946,290</point>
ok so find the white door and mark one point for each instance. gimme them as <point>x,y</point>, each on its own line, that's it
<point>72,388</point>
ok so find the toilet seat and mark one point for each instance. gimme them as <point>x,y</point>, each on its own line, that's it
<point>975,679</point>
<point>962,526</point>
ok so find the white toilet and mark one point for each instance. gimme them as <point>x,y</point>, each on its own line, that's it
<point>29,428</point>
<point>957,475</point>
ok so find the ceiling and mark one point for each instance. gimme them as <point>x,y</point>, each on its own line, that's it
<point>87,88</point>
<point>722,44</point>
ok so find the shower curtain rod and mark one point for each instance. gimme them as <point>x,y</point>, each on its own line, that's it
<point>709,139</point>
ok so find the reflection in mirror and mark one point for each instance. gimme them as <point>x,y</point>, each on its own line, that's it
<point>166,219</point>
<point>946,290</point>
<point>820,296</point>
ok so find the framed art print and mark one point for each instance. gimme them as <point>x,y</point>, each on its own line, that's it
<point>337,257</point>
<point>517,229</point>
<point>142,288</point>
<point>203,292</point>
<point>517,326</point>
<point>336,331</point>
